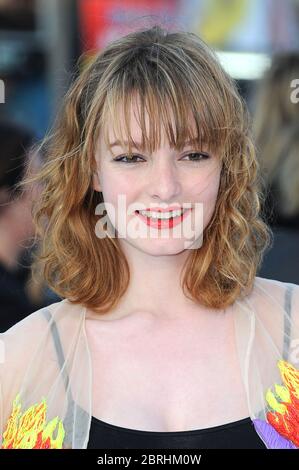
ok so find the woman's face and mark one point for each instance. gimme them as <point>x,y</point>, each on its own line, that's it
<point>188,178</point>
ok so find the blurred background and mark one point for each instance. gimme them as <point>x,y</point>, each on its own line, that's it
<point>40,43</point>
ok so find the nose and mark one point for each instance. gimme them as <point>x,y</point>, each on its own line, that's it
<point>164,182</point>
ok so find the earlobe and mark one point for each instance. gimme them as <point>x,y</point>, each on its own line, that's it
<point>95,182</point>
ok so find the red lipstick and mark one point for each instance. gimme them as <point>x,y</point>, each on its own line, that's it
<point>160,209</point>
<point>163,223</point>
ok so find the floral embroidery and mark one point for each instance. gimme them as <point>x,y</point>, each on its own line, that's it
<point>30,431</point>
<point>282,429</point>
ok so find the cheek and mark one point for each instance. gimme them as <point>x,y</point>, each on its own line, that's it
<point>208,197</point>
<point>206,187</point>
<point>114,186</point>
<point>212,191</point>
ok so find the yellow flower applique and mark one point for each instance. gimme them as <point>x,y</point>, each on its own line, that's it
<point>281,430</point>
<point>30,431</point>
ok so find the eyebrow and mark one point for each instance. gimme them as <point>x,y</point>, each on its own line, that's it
<point>138,145</point>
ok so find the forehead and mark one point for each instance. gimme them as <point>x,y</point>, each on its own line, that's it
<point>135,126</point>
<point>117,124</point>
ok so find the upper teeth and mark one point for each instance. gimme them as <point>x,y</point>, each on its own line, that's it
<point>162,215</point>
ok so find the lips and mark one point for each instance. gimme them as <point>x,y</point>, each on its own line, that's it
<point>163,223</point>
<point>181,209</point>
<point>161,209</point>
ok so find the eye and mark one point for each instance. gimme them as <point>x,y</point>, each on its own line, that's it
<point>197,156</point>
<point>128,159</point>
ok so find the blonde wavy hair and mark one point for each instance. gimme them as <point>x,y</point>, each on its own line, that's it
<point>164,67</point>
<point>276,129</point>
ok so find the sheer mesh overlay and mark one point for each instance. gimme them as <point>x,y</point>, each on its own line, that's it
<point>46,373</point>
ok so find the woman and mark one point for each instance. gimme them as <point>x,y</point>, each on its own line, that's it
<point>159,341</point>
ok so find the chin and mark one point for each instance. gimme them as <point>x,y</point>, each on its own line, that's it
<point>159,247</point>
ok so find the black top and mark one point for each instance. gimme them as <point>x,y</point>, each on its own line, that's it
<point>236,435</point>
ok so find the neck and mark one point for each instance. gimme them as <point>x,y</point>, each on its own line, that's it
<point>155,284</point>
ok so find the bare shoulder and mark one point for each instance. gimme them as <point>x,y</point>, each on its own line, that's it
<point>19,343</point>
<point>273,302</point>
<point>273,289</point>
<point>277,303</point>
<point>28,345</point>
